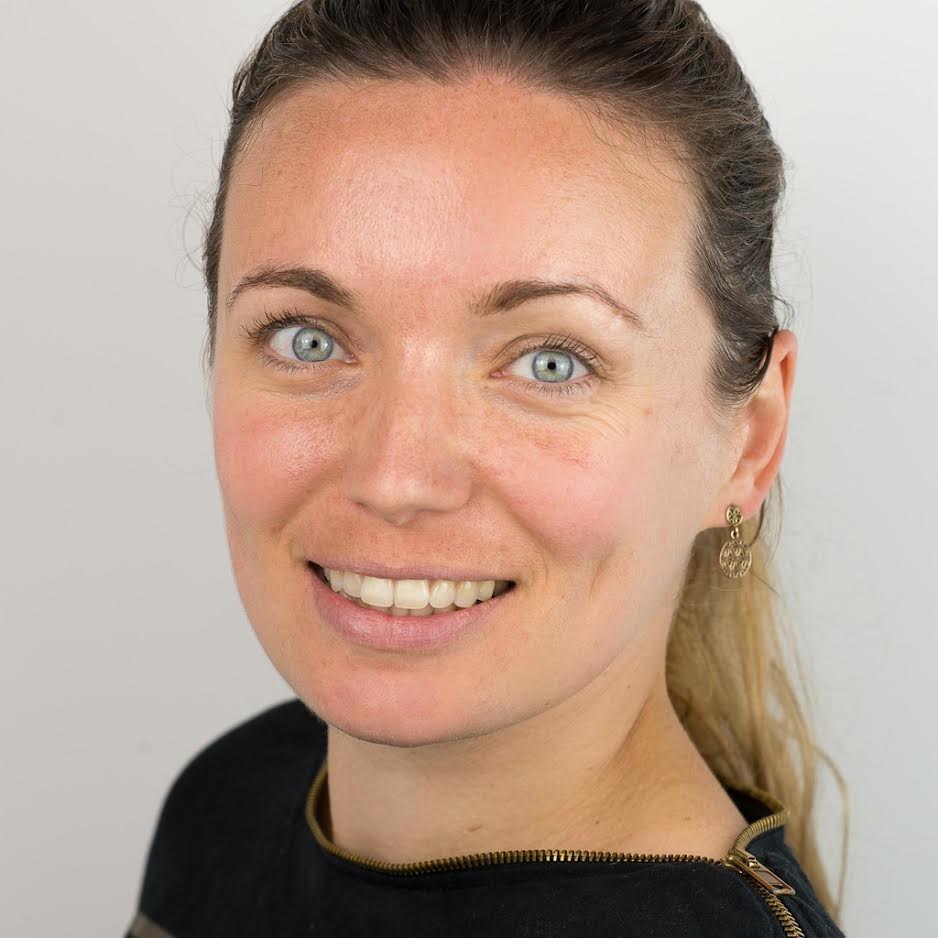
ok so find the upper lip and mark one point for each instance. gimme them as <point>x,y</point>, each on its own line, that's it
<point>424,572</point>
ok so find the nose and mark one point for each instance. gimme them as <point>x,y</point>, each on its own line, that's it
<point>406,454</point>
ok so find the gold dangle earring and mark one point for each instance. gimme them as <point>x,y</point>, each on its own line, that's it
<point>735,556</point>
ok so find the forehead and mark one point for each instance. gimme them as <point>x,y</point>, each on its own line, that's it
<point>453,185</point>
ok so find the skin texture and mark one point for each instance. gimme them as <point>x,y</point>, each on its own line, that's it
<point>424,437</point>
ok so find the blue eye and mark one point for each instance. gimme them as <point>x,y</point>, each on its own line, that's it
<point>313,345</point>
<point>310,343</point>
<point>553,364</point>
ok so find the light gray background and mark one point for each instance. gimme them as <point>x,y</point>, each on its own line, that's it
<point>125,646</point>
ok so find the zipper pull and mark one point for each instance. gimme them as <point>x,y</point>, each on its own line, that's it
<point>745,861</point>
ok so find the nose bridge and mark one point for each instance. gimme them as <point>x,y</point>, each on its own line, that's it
<point>406,453</point>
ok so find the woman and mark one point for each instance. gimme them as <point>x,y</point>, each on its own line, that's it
<point>498,396</point>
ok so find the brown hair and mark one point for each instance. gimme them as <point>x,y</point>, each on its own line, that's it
<point>659,65</point>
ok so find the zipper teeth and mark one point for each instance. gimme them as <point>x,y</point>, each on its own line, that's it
<point>788,921</point>
<point>472,860</point>
<point>777,818</point>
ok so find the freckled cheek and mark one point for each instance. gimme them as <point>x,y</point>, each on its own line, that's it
<point>265,459</point>
<point>578,499</point>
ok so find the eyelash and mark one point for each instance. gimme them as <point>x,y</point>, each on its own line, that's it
<point>270,323</point>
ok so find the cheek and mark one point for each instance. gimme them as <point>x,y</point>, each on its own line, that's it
<point>608,505</point>
<point>581,495</point>
<point>265,456</point>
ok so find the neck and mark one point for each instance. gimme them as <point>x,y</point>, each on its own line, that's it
<point>607,769</point>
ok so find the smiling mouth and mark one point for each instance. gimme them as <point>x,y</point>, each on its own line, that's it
<point>501,587</point>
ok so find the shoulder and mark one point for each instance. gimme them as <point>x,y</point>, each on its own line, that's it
<point>680,896</point>
<point>804,906</point>
<point>771,848</point>
<point>280,733</point>
<point>243,759</point>
<point>244,783</point>
<point>718,899</point>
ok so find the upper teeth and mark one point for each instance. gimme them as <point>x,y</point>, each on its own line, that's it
<point>413,594</point>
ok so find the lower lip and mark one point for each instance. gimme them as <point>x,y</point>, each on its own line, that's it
<point>376,629</point>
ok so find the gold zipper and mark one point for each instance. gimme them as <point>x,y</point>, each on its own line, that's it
<point>739,858</point>
<point>769,886</point>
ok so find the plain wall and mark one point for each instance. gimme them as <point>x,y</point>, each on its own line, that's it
<point>125,645</point>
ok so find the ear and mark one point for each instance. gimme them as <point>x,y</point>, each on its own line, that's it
<point>764,429</point>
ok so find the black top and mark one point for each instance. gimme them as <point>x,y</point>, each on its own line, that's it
<point>237,853</point>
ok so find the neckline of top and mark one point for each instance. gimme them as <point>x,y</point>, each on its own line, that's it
<point>775,816</point>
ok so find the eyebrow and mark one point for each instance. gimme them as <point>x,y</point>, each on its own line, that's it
<point>500,298</point>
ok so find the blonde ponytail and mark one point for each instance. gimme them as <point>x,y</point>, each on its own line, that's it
<point>738,698</point>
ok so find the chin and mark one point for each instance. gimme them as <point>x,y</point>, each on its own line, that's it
<point>389,709</point>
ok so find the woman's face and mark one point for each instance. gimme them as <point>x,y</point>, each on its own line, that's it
<point>430,434</point>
